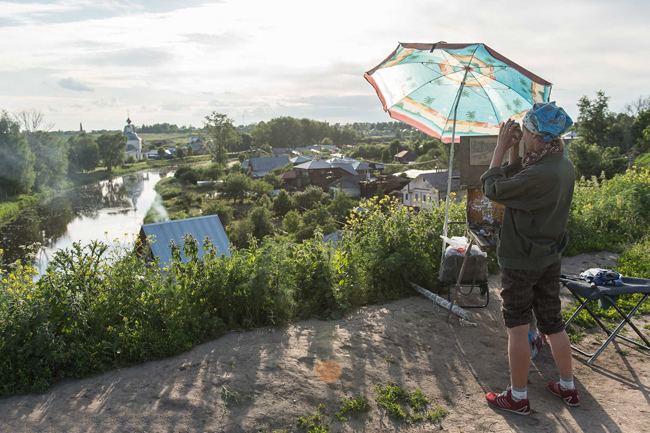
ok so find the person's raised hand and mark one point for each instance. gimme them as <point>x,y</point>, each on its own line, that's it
<point>509,134</point>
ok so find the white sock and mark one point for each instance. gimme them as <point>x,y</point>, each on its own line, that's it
<point>518,393</point>
<point>567,384</point>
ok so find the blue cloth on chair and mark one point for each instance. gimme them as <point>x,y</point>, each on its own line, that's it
<point>630,286</point>
<point>602,277</point>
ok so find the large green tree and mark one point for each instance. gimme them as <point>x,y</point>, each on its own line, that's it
<point>283,203</point>
<point>221,135</point>
<point>310,198</point>
<point>84,152</point>
<point>51,158</point>
<point>235,185</point>
<point>262,222</point>
<point>17,173</point>
<point>594,119</point>
<point>50,151</point>
<point>112,149</point>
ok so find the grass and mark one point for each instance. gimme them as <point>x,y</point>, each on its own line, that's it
<point>390,396</point>
<point>15,205</point>
<point>358,404</point>
<point>227,395</point>
<point>186,201</point>
<point>314,423</point>
<point>437,414</point>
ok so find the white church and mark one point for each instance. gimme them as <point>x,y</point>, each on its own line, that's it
<point>134,145</point>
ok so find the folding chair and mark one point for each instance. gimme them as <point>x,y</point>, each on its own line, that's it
<point>584,292</point>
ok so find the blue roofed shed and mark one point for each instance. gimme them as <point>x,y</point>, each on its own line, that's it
<point>200,228</point>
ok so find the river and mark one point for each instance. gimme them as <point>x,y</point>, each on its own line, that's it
<point>104,211</point>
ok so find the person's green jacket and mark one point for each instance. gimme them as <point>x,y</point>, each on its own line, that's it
<point>537,200</point>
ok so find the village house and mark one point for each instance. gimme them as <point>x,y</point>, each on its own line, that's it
<point>289,180</point>
<point>389,184</point>
<point>258,167</point>
<point>154,154</point>
<point>300,159</point>
<point>197,148</point>
<point>348,184</point>
<point>200,228</point>
<point>405,157</point>
<point>321,173</point>
<point>430,189</point>
<point>196,140</point>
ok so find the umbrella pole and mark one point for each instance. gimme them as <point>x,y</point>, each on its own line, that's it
<point>451,163</point>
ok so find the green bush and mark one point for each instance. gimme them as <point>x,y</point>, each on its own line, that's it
<point>225,212</point>
<point>169,188</point>
<point>99,307</point>
<point>609,213</point>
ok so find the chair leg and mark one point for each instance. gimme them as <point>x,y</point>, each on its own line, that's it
<point>611,334</point>
<point>629,322</point>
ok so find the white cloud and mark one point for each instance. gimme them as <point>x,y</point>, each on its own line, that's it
<point>103,103</point>
<point>262,59</point>
<point>72,84</point>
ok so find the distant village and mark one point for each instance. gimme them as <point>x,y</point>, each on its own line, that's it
<point>339,173</point>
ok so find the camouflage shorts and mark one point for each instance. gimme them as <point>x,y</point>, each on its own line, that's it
<point>527,290</point>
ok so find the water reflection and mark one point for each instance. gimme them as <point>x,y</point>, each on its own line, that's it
<point>116,206</point>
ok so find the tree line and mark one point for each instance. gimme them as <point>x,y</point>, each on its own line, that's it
<point>32,159</point>
<point>607,141</point>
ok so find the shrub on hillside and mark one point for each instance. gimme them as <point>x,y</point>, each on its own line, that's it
<point>96,309</point>
<point>225,212</point>
<point>608,213</point>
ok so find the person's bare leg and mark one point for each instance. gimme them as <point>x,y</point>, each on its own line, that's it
<point>561,348</point>
<point>519,355</point>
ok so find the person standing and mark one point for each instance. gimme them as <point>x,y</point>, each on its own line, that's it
<point>537,193</point>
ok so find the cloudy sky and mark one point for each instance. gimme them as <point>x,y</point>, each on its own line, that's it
<point>92,61</point>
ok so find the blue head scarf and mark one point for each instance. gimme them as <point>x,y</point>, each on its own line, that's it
<point>548,120</point>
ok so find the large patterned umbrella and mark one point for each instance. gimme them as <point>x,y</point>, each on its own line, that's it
<point>420,84</point>
<point>452,90</point>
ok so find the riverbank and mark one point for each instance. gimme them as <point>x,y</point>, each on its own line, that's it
<point>13,206</point>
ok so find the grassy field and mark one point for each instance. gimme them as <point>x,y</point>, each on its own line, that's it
<point>186,201</point>
<point>10,208</point>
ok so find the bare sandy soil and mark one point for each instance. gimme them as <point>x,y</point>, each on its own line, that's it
<point>284,372</point>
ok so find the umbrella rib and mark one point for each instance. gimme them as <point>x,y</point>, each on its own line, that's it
<point>419,87</point>
<point>511,88</point>
<point>488,97</point>
<point>458,95</point>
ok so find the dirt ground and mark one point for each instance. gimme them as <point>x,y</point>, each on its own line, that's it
<point>284,372</point>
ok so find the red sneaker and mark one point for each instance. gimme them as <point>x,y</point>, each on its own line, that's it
<point>504,401</point>
<point>570,396</point>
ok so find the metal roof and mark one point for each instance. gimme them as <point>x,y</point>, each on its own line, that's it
<point>360,165</point>
<point>346,167</point>
<point>439,180</point>
<point>131,136</point>
<point>302,158</point>
<point>404,153</point>
<point>316,164</point>
<point>268,164</point>
<point>348,182</point>
<point>200,227</point>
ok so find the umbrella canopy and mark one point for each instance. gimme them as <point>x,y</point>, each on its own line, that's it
<point>421,84</point>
